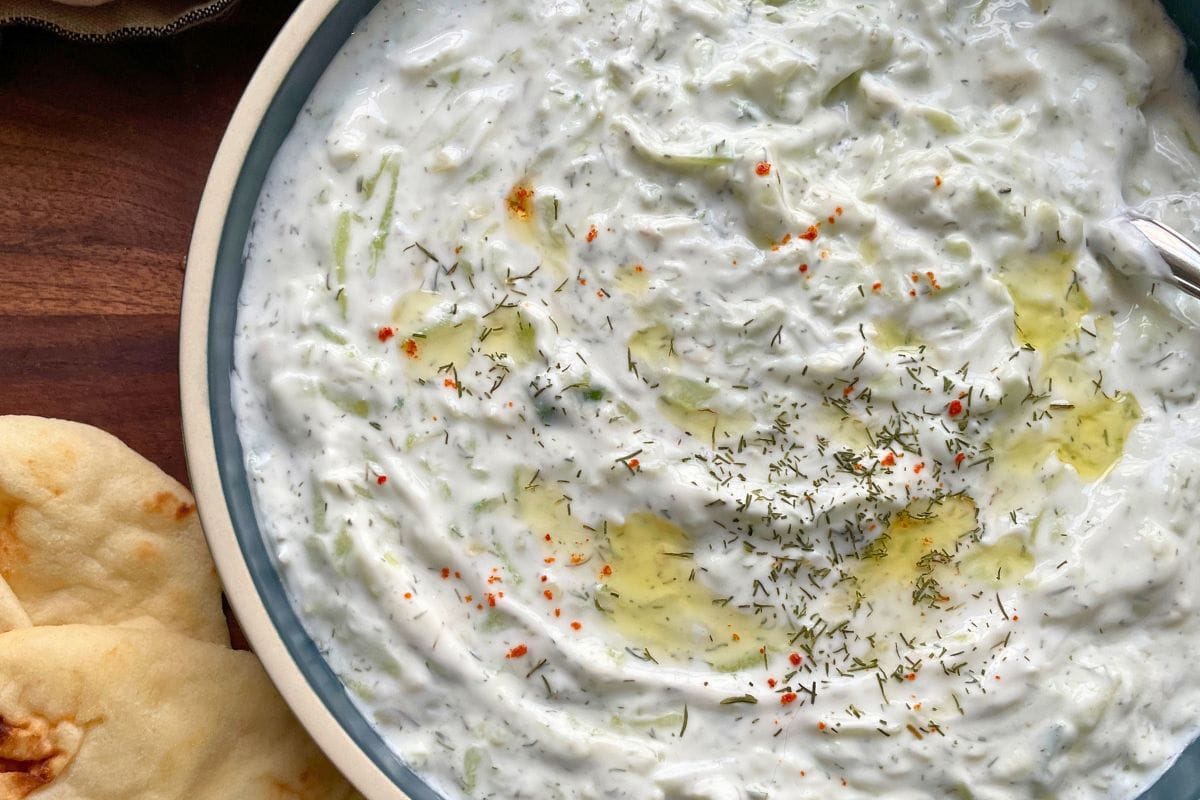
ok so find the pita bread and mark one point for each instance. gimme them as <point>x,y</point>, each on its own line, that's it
<point>107,713</point>
<point>12,616</point>
<point>91,532</point>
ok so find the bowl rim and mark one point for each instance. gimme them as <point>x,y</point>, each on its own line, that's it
<point>198,434</point>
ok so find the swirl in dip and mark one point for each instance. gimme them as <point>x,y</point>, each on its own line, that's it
<point>712,399</point>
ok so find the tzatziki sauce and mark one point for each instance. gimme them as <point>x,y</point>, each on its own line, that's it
<point>727,398</point>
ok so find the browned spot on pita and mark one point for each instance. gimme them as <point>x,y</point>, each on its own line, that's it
<point>15,784</point>
<point>309,785</point>
<point>29,758</point>
<point>12,549</point>
<point>146,551</point>
<point>27,742</point>
<point>282,791</point>
<point>48,473</point>
<point>166,503</point>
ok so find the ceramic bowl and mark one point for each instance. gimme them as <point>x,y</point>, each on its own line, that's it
<point>263,118</point>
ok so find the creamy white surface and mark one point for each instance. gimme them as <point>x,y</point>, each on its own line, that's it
<point>979,143</point>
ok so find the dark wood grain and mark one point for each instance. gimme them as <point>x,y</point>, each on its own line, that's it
<point>104,151</point>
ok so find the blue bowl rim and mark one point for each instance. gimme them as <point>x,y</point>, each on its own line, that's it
<point>266,112</point>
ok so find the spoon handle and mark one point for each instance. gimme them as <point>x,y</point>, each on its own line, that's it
<point>1178,252</point>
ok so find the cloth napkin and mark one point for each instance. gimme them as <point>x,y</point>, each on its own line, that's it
<point>109,20</point>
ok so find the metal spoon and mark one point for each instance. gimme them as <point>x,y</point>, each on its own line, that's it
<point>1180,255</point>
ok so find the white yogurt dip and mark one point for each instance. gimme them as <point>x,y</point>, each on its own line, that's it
<point>706,399</point>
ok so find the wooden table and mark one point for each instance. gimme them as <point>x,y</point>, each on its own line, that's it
<point>104,151</point>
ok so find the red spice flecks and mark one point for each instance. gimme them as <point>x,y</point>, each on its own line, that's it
<point>795,659</point>
<point>771,683</point>
<point>876,286</point>
<point>912,676</point>
<point>450,383</point>
<point>445,573</point>
<point>839,210</point>
<point>787,698</point>
<point>937,180</point>
<point>381,480</point>
<point>517,651</point>
<point>917,469</point>
<point>820,726</point>
<point>762,169</point>
<point>491,598</point>
<point>606,570</point>
<point>804,267</point>
<point>410,348</point>
<point>385,333</point>
<point>888,460</point>
<point>546,593</point>
<point>633,464</point>
<point>958,459</point>
<point>592,234</point>
<point>955,408</point>
<point>912,292</point>
<point>810,234</point>
<point>576,625</point>
<point>915,278</point>
<point>520,202</point>
<point>408,595</point>
<point>832,219</point>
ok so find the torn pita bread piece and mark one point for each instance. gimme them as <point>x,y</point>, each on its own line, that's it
<point>91,532</point>
<point>12,615</point>
<point>108,713</point>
